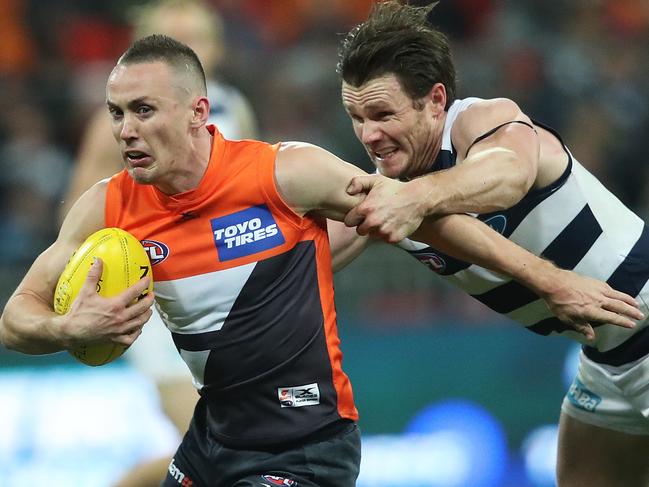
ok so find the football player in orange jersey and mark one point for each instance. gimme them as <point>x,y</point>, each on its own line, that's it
<point>197,24</point>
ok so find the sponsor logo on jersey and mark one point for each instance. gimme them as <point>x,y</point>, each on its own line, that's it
<point>497,222</point>
<point>245,233</point>
<point>298,396</point>
<point>275,480</point>
<point>582,398</point>
<point>179,476</point>
<point>157,251</point>
<point>434,261</point>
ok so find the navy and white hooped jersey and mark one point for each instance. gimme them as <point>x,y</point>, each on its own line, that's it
<point>576,223</point>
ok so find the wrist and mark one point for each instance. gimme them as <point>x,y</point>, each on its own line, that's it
<point>427,195</point>
<point>57,331</point>
<point>541,277</point>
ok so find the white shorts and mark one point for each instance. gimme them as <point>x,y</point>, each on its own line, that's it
<point>154,353</point>
<point>605,398</point>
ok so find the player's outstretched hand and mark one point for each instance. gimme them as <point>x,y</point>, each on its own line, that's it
<point>93,318</point>
<point>391,211</point>
<point>583,303</point>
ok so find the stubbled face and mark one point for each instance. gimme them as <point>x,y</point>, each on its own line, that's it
<point>150,121</point>
<point>399,137</point>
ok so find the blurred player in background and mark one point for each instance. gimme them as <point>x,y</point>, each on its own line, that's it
<point>197,24</point>
<point>438,155</point>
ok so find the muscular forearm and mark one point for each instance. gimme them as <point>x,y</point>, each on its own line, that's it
<point>29,326</point>
<point>490,180</point>
<point>468,239</point>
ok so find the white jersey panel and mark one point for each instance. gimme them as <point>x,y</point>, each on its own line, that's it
<point>213,293</point>
<point>621,226</point>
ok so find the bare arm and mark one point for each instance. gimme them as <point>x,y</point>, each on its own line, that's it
<point>28,322</point>
<point>345,244</point>
<point>310,178</point>
<point>576,300</point>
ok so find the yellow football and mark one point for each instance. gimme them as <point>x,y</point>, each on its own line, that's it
<point>125,262</point>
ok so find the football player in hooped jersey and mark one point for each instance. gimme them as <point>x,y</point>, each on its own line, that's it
<point>488,158</point>
<point>243,278</point>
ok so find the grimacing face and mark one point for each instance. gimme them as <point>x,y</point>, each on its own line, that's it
<point>150,120</point>
<point>398,135</point>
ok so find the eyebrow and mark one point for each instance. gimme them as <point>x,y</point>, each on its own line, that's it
<point>131,104</point>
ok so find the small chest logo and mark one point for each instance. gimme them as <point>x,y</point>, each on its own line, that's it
<point>157,251</point>
<point>245,233</point>
<point>275,480</point>
<point>434,261</point>
<point>298,396</point>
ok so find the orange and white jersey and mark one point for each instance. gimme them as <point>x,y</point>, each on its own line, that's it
<point>245,286</point>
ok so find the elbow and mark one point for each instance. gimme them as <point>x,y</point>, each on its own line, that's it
<point>5,336</point>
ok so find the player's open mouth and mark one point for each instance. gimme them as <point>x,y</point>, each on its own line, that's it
<point>136,157</point>
<point>384,154</point>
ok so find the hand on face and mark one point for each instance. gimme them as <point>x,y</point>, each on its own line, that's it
<point>391,210</point>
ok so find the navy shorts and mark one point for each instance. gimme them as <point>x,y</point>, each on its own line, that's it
<point>323,462</point>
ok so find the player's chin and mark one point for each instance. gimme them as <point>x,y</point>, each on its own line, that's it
<point>141,175</point>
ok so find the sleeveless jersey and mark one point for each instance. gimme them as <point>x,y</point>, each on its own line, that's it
<point>245,286</point>
<point>576,223</point>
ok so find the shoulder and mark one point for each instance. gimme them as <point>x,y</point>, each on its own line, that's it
<point>291,148</point>
<point>293,152</point>
<point>481,117</point>
<point>307,159</point>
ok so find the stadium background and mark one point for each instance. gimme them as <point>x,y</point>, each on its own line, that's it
<point>450,394</point>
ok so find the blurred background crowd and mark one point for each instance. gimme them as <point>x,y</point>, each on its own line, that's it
<point>411,343</point>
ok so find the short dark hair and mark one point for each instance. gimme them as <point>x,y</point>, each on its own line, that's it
<point>163,48</point>
<point>398,39</point>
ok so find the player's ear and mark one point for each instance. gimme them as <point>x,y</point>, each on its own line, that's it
<point>201,111</point>
<point>437,96</point>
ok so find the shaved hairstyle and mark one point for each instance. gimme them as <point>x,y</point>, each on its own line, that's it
<point>177,55</point>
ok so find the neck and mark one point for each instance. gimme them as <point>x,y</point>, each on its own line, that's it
<point>188,176</point>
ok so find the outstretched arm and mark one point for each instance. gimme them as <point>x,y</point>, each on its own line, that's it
<point>578,301</point>
<point>312,179</point>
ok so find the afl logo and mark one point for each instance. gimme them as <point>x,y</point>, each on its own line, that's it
<point>497,222</point>
<point>157,251</point>
<point>435,262</point>
<point>275,480</point>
